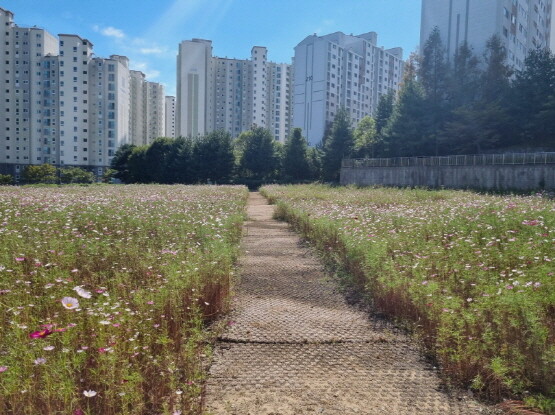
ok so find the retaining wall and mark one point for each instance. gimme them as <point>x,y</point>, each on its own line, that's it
<point>525,177</point>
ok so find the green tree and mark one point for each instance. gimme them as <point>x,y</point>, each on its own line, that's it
<point>475,128</point>
<point>109,175</point>
<point>366,138</point>
<point>180,163</point>
<point>42,173</point>
<point>384,111</point>
<point>6,179</point>
<point>138,167</point>
<point>259,158</point>
<point>70,175</point>
<point>120,163</point>
<point>494,83</point>
<point>433,69</point>
<point>338,145</point>
<point>296,165</point>
<point>464,78</point>
<point>405,134</point>
<point>433,75</point>
<point>157,159</point>
<point>532,92</point>
<point>315,162</point>
<point>213,158</point>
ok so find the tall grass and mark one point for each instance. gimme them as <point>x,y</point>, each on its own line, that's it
<point>472,274</point>
<point>104,295</point>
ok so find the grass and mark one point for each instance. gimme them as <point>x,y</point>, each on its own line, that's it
<point>473,275</point>
<point>106,291</point>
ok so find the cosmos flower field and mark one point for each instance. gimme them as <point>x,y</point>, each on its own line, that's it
<point>105,293</point>
<point>473,275</point>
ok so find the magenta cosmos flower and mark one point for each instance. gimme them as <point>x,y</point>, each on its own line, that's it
<point>41,334</point>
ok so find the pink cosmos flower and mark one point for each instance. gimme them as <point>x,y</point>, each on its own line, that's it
<point>3,368</point>
<point>20,259</point>
<point>41,334</point>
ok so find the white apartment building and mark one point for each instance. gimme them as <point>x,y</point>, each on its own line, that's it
<point>341,71</point>
<point>61,106</point>
<point>170,116</point>
<point>137,116</point>
<point>194,75</point>
<point>155,111</point>
<point>28,114</point>
<point>230,94</point>
<point>147,109</point>
<point>74,88</point>
<point>522,25</point>
<point>109,111</point>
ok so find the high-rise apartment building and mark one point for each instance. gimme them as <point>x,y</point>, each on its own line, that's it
<point>62,106</point>
<point>155,111</point>
<point>170,117</point>
<point>28,108</point>
<point>109,112</point>
<point>147,109</point>
<point>341,71</point>
<point>230,94</point>
<point>522,25</point>
<point>137,117</point>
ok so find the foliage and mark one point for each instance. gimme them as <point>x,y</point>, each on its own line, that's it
<point>260,155</point>
<point>405,134</point>
<point>212,157</point>
<point>42,173</point>
<point>120,163</point>
<point>472,274</point>
<point>467,105</point>
<point>144,267</point>
<point>6,179</point>
<point>70,175</point>
<point>365,138</point>
<point>108,176</point>
<point>338,145</point>
<point>532,97</point>
<point>296,163</point>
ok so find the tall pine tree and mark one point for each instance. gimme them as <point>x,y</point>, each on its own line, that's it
<point>338,145</point>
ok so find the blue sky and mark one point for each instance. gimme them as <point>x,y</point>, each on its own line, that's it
<point>148,32</point>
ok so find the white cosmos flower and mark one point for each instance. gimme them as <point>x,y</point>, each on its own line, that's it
<point>82,292</point>
<point>89,393</point>
<point>70,303</point>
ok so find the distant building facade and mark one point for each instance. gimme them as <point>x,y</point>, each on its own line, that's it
<point>230,94</point>
<point>522,25</point>
<point>341,71</point>
<point>64,107</point>
<point>170,116</point>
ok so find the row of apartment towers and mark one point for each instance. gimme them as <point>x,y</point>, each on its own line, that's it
<point>63,106</point>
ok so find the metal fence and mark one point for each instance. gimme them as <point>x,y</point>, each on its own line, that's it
<point>465,160</point>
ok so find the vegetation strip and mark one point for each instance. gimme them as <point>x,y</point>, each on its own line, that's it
<point>104,292</point>
<point>472,274</point>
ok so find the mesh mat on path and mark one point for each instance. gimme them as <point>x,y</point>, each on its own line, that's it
<point>295,347</point>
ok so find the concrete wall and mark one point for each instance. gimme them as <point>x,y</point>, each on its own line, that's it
<point>500,177</point>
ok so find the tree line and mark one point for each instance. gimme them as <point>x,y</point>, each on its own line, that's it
<point>466,104</point>
<point>252,158</point>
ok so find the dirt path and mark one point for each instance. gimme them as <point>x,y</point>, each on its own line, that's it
<point>295,347</point>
